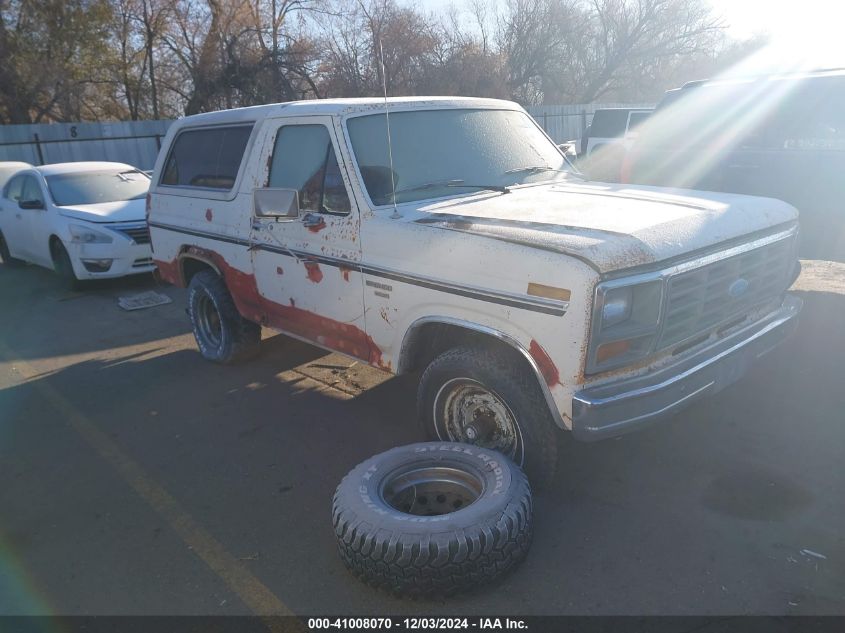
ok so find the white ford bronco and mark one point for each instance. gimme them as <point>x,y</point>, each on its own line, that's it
<point>449,236</point>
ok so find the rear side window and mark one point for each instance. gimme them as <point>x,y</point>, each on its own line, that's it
<point>209,158</point>
<point>304,159</point>
<point>609,123</point>
<point>14,188</point>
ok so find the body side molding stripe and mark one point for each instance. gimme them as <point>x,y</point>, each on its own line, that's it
<point>554,308</point>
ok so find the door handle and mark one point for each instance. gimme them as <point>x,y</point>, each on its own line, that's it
<point>18,216</point>
<point>310,220</point>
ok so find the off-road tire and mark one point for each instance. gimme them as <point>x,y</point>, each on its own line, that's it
<point>6,256</point>
<point>63,266</point>
<point>239,338</point>
<point>433,556</point>
<point>512,382</point>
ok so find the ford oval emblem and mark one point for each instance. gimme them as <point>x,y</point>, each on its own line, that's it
<point>738,288</point>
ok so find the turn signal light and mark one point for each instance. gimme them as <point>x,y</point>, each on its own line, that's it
<point>606,351</point>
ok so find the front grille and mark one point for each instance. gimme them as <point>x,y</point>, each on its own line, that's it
<point>704,299</point>
<point>142,262</point>
<point>138,234</point>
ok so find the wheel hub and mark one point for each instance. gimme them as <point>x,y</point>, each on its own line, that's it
<point>473,414</point>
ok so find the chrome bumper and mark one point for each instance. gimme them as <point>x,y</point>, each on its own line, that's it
<point>628,404</point>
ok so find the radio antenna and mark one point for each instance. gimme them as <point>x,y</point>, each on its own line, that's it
<point>396,215</point>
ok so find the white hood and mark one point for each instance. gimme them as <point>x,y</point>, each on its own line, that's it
<point>611,226</point>
<point>123,211</point>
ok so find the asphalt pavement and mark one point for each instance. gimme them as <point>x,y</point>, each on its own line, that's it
<point>137,478</point>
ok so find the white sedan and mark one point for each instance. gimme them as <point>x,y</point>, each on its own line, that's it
<point>84,220</point>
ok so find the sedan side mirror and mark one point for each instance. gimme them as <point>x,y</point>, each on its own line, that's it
<point>273,202</point>
<point>31,204</point>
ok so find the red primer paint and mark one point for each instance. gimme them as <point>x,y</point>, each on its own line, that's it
<point>252,305</point>
<point>313,272</point>
<point>318,227</point>
<point>279,270</point>
<point>209,214</point>
<point>344,272</point>
<point>547,367</point>
<point>169,272</point>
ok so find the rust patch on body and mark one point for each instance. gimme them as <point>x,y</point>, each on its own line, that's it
<point>280,270</point>
<point>313,272</point>
<point>209,215</point>
<point>252,305</point>
<point>169,271</point>
<point>544,362</point>
<point>344,272</point>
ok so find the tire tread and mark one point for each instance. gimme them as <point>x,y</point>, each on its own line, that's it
<point>441,564</point>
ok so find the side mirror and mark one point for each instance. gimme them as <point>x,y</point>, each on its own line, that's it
<point>30,204</point>
<point>276,203</point>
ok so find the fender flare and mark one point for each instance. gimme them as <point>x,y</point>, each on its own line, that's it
<point>404,354</point>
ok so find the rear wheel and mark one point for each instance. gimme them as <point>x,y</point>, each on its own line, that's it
<point>63,266</point>
<point>487,398</point>
<point>222,334</point>
<point>6,256</point>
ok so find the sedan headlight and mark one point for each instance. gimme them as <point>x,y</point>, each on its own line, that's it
<point>626,316</point>
<point>82,234</point>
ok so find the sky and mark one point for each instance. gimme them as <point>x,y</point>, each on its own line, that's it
<point>809,29</point>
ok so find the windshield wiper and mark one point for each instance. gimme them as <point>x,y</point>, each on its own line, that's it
<point>534,169</point>
<point>457,183</point>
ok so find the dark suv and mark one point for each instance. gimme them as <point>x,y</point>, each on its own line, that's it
<point>778,136</point>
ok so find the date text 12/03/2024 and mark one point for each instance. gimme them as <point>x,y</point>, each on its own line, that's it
<point>416,623</point>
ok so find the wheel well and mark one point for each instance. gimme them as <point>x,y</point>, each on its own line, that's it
<point>427,341</point>
<point>191,266</point>
<point>54,241</point>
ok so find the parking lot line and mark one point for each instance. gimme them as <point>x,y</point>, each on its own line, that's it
<point>240,580</point>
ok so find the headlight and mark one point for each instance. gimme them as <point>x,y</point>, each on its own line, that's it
<point>82,234</point>
<point>626,316</point>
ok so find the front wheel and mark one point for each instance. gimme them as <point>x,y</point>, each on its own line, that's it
<point>486,398</point>
<point>63,266</point>
<point>222,334</point>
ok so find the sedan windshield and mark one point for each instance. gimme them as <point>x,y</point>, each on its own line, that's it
<point>95,187</point>
<point>439,153</point>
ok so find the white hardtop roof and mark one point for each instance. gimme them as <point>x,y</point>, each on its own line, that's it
<point>81,166</point>
<point>334,107</point>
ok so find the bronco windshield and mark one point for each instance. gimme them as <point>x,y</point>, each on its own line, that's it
<point>97,187</point>
<point>439,153</point>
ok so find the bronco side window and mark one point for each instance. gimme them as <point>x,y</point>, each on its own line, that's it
<point>207,157</point>
<point>304,159</point>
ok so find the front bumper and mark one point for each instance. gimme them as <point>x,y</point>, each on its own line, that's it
<point>628,404</point>
<point>128,258</point>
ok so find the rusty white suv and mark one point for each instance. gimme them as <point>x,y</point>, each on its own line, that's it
<point>466,249</point>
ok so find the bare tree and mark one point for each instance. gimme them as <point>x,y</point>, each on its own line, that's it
<point>626,39</point>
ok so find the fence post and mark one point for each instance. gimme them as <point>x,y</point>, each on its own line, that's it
<point>583,122</point>
<point>38,149</point>
<point>545,122</point>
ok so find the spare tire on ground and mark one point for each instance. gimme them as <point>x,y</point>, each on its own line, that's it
<point>433,519</point>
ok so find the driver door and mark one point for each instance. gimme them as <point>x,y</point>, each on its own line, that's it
<point>307,267</point>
